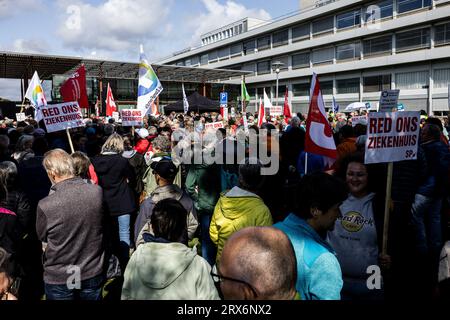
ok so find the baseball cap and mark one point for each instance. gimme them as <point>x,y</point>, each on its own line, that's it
<point>142,133</point>
<point>165,169</point>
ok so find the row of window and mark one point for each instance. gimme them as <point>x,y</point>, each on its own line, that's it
<point>374,12</point>
<point>404,81</point>
<point>404,41</point>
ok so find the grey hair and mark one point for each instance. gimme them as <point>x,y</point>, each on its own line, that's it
<point>59,163</point>
<point>162,143</point>
<point>8,172</point>
<point>295,122</point>
<point>113,144</point>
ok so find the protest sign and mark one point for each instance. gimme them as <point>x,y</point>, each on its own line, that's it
<point>62,116</point>
<point>115,116</point>
<point>246,124</point>
<point>213,125</point>
<point>21,116</point>
<point>276,111</point>
<point>392,136</point>
<point>389,100</point>
<point>132,117</point>
<point>359,120</point>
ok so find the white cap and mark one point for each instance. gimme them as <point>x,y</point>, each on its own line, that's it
<point>143,133</point>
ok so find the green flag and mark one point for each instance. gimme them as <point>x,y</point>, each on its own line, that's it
<point>244,92</point>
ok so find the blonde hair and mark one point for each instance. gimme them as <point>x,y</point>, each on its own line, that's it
<point>59,163</point>
<point>113,144</point>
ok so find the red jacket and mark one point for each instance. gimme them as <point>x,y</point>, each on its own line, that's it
<point>142,146</point>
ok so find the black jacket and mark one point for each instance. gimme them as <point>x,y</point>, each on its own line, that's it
<point>114,176</point>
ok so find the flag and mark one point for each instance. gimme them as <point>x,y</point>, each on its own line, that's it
<point>244,94</point>
<point>185,100</point>
<point>287,109</point>
<point>149,86</point>
<point>35,94</point>
<point>261,113</point>
<point>267,103</point>
<point>110,104</point>
<point>319,135</point>
<point>74,88</point>
<point>97,111</point>
<point>335,106</point>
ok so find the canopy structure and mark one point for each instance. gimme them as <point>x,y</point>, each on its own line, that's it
<point>196,102</point>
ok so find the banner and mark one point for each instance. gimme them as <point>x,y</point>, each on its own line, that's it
<point>392,136</point>
<point>74,88</point>
<point>359,120</point>
<point>389,100</point>
<point>62,116</point>
<point>276,111</point>
<point>132,117</point>
<point>213,125</point>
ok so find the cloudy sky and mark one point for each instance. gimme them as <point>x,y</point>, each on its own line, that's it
<point>113,29</point>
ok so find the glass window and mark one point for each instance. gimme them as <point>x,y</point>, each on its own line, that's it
<point>260,92</point>
<point>412,80</point>
<point>377,83</point>
<point>326,87</point>
<point>323,25</point>
<point>415,39</point>
<point>377,45</point>
<point>281,38</point>
<point>323,55</point>
<point>442,34</point>
<point>409,5</point>
<point>301,32</point>
<point>249,67</point>
<point>441,78</point>
<point>212,56</point>
<point>204,59</point>
<point>264,43</point>
<point>195,60</point>
<point>236,49</point>
<point>224,53</point>
<point>348,19</point>
<point>379,10</point>
<point>187,62</point>
<point>301,89</point>
<point>249,47</point>
<point>283,60</point>
<point>300,60</point>
<point>263,67</point>
<point>347,86</point>
<point>348,51</point>
<point>180,63</point>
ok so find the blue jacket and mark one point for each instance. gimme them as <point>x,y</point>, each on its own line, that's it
<point>319,275</point>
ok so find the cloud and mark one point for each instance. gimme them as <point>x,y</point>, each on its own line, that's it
<point>30,46</point>
<point>9,8</point>
<point>113,25</point>
<point>10,89</point>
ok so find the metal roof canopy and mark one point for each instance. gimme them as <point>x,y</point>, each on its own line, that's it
<point>19,66</point>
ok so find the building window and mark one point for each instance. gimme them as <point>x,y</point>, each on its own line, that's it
<point>411,40</point>
<point>301,89</point>
<point>263,43</point>
<point>326,87</point>
<point>346,86</point>
<point>284,61</point>
<point>224,53</point>
<point>180,63</point>
<point>348,51</point>
<point>348,19</point>
<point>411,80</point>
<point>300,60</point>
<point>212,56</point>
<point>263,67</point>
<point>187,62</point>
<point>249,47</point>
<point>195,61</point>
<point>409,5</point>
<point>323,55</point>
<point>249,67</point>
<point>380,10</point>
<point>323,25</point>
<point>281,38</point>
<point>204,59</point>
<point>301,32</point>
<point>442,34</point>
<point>260,92</point>
<point>377,45</point>
<point>236,50</point>
<point>441,78</point>
<point>377,83</point>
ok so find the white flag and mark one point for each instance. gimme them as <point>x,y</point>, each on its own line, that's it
<point>185,101</point>
<point>149,85</point>
<point>267,103</point>
<point>35,94</point>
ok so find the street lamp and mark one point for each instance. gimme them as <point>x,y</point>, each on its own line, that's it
<point>277,65</point>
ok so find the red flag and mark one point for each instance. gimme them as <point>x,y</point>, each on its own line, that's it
<point>261,113</point>
<point>319,135</point>
<point>287,110</point>
<point>110,104</point>
<point>74,88</point>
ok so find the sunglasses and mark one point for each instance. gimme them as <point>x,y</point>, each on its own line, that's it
<point>217,278</point>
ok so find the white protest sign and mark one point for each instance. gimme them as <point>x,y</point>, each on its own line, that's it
<point>132,117</point>
<point>224,109</point>
<point>389,100</point>
<point>392,136</point>
<point>359,120</point>
<point>115,116</point>
<point>276,111</point>
<point>233,112</point>
<point>245,124</point>
<point>213,125</point>
<point>21,116</point>
<point>62,116</point>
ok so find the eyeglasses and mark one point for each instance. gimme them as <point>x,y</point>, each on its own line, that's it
<point>217,278</point>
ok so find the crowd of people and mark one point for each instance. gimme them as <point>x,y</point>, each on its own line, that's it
<point>121,217</point>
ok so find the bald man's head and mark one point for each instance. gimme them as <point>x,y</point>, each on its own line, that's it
<point>263,258</point>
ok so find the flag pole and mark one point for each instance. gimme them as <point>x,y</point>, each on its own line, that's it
<point>387,206</point>
<point>306,163</point>
<point>70,140</point>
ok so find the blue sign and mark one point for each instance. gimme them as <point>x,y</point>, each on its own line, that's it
<point>224,98</point>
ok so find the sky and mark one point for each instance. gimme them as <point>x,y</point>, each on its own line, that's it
<point>113,29</point>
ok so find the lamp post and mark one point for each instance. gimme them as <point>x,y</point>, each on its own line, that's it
<point>277,65</point>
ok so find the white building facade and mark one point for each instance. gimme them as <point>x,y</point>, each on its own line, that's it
<point>358,49</point>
